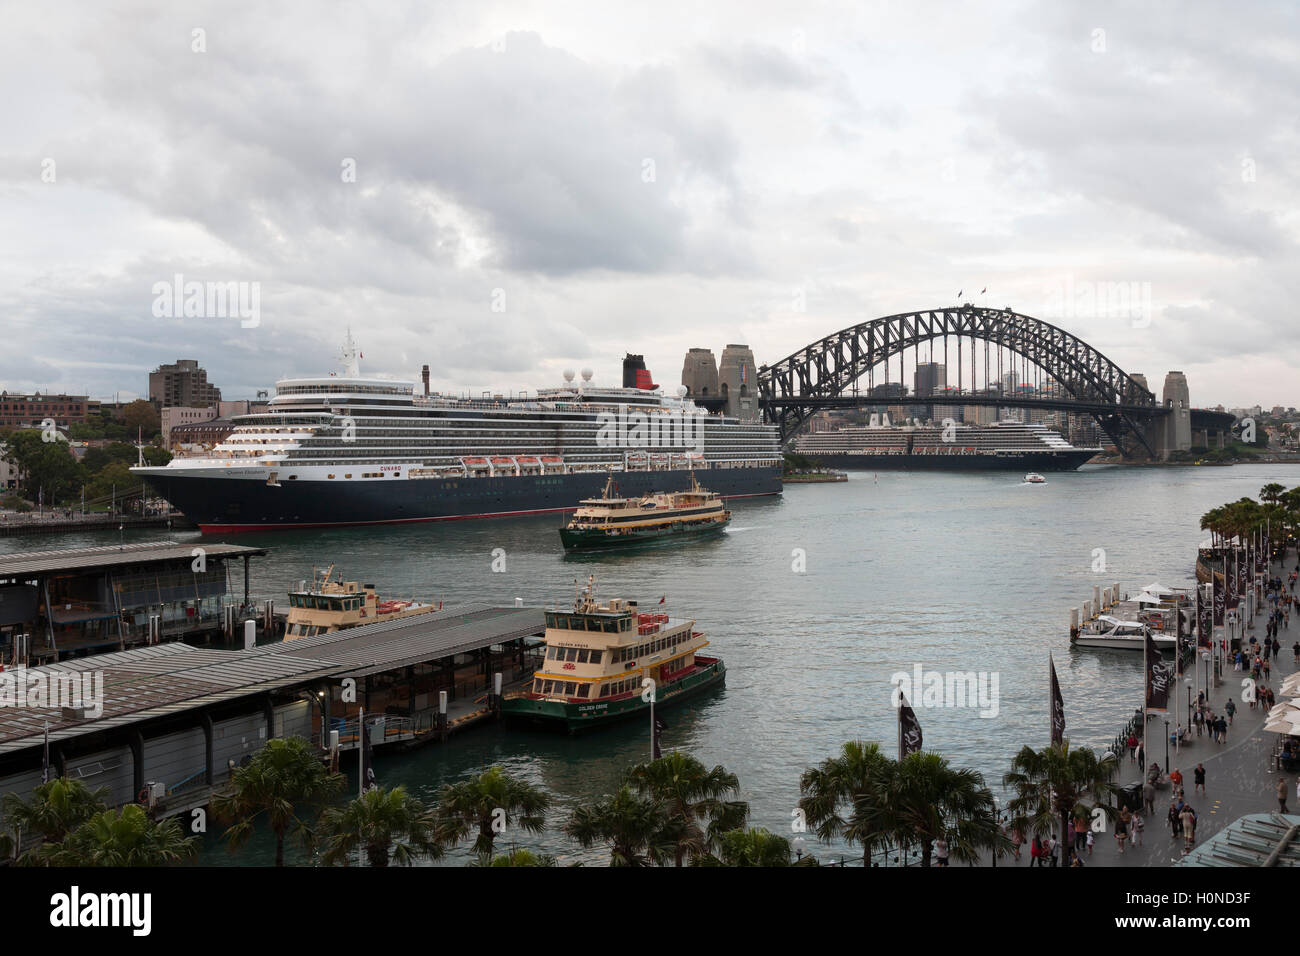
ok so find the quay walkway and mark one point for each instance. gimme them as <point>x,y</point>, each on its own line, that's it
<point>1240,777</point>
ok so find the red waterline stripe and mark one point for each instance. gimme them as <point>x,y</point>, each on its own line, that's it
<point>286,526</point>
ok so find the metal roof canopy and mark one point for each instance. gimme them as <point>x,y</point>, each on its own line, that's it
<point>82,559</point>
<point>1257,839</point>
<point>149,682</point>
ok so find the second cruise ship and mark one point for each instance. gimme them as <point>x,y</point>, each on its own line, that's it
<point>1005,445</point>
<point>346,449</point>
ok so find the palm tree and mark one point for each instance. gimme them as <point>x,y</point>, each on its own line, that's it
<point>692,793</point>
<point>388,823</point>
<point>488,804</point>
<point>54,810</point>
<point>521,857</point>
<point>923,798</point>
<point>845,782</point>
<point>282,777</point>
<point>1271,492</point>
<point>637,829</point>
<point>1051,786</point>
<point>126,837</point>
<point>752,847</point>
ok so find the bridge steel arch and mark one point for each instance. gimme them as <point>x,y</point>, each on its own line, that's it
<point>823,374</point>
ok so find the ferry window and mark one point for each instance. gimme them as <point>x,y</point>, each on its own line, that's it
<point>570,688</point>
<point>597,657</point>
<point>550,653</point>
<point>604,690</point>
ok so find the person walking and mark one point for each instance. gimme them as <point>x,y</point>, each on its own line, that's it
<point>1090,842</point>
<point>1132,746</point>
<point>1142,745</point>
<point>940,852</point>
<point>1231,707</point>
<point>1188,817</point>
<point>1080,832</point>
<point>1036,852</point>
<point>1175,821</point>
<point>1121,829</point>
<point>1017,838</point>
<point>1199,720</point>
<point>1149,797</point>
<point>1281,793</point>
<point>1137,827</point>
<point>1199,776</point>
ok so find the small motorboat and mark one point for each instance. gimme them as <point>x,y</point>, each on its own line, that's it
<point>1034,478</point>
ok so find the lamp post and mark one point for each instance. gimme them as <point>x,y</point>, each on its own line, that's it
<point>1166,745</point>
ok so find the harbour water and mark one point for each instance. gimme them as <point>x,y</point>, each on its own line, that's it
<point>951,572</point>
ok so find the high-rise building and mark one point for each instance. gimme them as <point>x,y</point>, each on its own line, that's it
<point>182,384</point>
<point>930,377</point>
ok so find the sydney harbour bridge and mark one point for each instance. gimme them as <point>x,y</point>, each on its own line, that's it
<point>845,370</point>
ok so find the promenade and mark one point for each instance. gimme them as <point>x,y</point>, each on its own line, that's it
<point>1240,777</point>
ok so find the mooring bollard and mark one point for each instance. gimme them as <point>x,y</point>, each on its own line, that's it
<point>250,635</point>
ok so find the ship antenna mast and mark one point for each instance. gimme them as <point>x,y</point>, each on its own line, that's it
<point>348,356</point>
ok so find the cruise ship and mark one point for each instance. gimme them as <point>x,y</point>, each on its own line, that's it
<point>344,449</point>
<point>1005,445</point>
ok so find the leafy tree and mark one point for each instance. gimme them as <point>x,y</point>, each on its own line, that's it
<point>522,857</point>
<point>126,837</point>
<point>692,794</point>
<point>140,417</point>
<point>837,787</point>
<point>54,810</point>
<point>488,804</point>
<point>637,829</point>
<point>47,469</point>
<point>1056,783</point>
<point>753,847</point>
<point>282,777</point>
<point>113,478</point>
<point>922,798</point>
<point>388,823</point>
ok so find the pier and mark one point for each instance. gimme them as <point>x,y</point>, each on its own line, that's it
<point>68,603</point>
<point>175,720</point>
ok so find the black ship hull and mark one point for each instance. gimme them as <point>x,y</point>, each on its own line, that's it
<point>231,505</point>
<point>1029,461</point>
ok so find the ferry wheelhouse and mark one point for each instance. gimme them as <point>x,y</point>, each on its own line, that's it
<point>332,605</point>
<point>602,660</point>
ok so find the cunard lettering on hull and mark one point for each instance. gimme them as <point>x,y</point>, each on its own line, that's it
<point>349,449</point>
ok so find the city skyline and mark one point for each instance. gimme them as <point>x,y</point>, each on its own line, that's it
<point>502,192</point>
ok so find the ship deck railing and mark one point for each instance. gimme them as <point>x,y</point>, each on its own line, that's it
<point>701,663</point>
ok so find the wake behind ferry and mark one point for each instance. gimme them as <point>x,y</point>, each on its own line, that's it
<point>345,450</point>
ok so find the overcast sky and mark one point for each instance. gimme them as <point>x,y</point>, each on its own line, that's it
<point>542,185</point>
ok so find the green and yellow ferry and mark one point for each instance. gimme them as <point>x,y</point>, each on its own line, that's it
<point>601,659</point>
<point>612,521</point>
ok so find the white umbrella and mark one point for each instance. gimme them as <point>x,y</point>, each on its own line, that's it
<point>1157,588</point>
<point>1291,686</point>
<point>1283,726</point>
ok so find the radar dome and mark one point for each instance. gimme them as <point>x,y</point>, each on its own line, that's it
<point>586,374</point>
<point>681,391</point>
<point>568,375</point>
